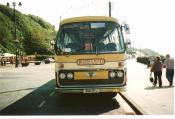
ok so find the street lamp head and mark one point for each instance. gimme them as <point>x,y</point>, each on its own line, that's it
<point>8,4</point>
<point>14,4</point>
<point>20,4</point>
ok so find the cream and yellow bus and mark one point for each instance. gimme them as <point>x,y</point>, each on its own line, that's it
<point>90,55</point>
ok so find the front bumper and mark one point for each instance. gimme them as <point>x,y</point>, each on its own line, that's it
<point>90,89</point>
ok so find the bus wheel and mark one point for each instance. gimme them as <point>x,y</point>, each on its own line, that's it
<point>109,95</point>
<point>112,95</point>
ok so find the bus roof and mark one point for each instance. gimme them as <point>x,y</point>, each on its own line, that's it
<point>88,18</point>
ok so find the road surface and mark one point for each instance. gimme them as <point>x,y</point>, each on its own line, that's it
<point>31,91</point>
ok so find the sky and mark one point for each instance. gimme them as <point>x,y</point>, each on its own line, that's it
<point>152,22</point>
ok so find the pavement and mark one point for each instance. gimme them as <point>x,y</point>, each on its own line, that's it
<point>150,100</point>
<point>7,66</point>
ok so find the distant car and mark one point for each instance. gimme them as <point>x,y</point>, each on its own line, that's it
<point>48,60</point>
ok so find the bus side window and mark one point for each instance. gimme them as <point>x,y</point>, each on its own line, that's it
<point>101,47</point>
<point>72,46</point>
<point>111,47</point>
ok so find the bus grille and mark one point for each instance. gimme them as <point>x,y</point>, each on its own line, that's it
<point>91,82</point>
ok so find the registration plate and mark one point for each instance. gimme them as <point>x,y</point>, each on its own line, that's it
<point>95,61</point>
<point>91,91</point>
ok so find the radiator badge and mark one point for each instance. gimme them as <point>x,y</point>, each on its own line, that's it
<point>91,74</point>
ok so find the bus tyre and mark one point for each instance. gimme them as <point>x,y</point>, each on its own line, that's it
<point>110,95</point>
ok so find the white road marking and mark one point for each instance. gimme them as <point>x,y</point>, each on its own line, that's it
<point>52,93</point>
<point>42,103</point>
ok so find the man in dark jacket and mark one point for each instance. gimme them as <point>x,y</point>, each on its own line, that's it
<point>169,65</point>
<point>157,69</point>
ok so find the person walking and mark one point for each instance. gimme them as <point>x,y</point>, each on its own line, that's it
<point>157,69</point>
<point>169,65</point>
<point>2,61</point>
<point>148,63</point>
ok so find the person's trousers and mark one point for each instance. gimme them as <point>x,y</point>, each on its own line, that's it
<point>158,75</point>
<point>170,75</point>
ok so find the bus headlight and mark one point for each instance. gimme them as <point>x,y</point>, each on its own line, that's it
<point>112,74</point>
<point>70,75</point>
<point>120,74</point>
<point>62,75</point>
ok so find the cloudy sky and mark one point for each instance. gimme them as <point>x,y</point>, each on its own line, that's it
<point>152,22</point>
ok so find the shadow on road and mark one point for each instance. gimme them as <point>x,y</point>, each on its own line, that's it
<point>17,90</point>
<point>152,87</point>
<point>45,100</point>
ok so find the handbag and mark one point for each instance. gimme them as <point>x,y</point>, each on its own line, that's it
<point>151,79</point>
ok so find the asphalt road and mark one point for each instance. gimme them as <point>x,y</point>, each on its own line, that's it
<point>31,91</point>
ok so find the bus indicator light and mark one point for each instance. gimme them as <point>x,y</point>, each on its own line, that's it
<point>121,64</point>
<point>61,66</point>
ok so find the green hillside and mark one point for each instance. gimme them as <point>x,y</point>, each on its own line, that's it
<point>149,52</point>
<point>145,51</point>
<point>34,34</point>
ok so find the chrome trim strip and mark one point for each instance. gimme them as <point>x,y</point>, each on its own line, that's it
<point>100,89</point>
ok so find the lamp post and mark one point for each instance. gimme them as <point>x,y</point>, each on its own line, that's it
<point>110,9</point>
<point>1,52</point>
<point>15,38</point>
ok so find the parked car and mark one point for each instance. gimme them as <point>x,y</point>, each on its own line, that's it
<point>48,60</point>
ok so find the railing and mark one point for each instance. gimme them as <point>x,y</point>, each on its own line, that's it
<point>143,60</point>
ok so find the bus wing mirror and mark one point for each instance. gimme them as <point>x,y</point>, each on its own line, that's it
<point>54,46</point>
<point>126,28</point>
<point>128,41</point>
<point>52,42</point>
